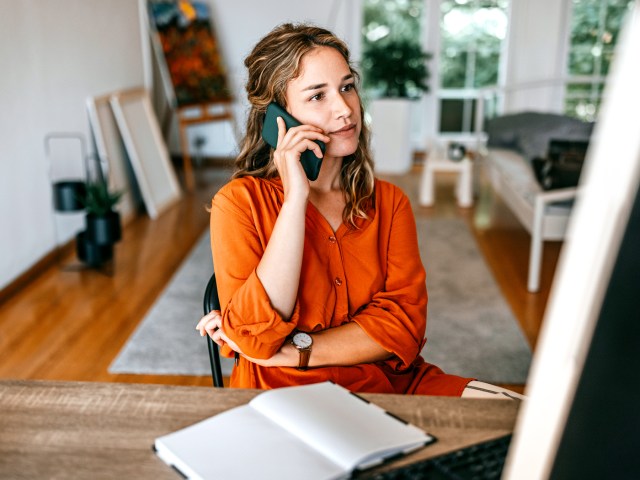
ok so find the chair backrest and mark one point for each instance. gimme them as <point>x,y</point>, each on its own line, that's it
<point>212,302</point>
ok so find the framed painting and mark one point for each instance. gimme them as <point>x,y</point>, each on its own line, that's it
<point>188,52</point>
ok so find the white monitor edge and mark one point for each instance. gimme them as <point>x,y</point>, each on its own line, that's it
<point>608,188</point>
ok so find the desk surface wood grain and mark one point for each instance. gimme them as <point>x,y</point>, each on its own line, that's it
<point>106,430</point>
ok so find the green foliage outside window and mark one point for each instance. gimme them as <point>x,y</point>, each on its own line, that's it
<point>595,30</point>
<point>471,37</point>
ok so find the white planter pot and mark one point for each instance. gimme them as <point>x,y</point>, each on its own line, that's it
<point>391,135</point>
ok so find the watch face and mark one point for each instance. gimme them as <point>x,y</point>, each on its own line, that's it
<point>302,340</point>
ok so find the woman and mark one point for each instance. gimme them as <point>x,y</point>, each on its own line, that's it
<point>318,280</point>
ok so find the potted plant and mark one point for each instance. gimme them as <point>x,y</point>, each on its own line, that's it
<point>396,68</point>
<point>395,73</point>
<point>102,221</point>
<point>94,245</point>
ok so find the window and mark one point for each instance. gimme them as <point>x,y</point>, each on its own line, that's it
<point>472,33</point>
<point>595,27</point>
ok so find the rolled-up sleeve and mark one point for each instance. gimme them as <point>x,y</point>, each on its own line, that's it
<point>237,246</point>
<point>396,315</point>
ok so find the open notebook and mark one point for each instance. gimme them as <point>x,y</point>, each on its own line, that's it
<point>317,431</point>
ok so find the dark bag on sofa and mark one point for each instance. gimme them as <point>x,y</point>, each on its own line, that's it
<point>563,164</point>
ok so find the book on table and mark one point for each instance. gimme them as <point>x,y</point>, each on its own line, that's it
<point>317,431</point>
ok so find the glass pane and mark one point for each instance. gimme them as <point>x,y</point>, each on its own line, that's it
<point>585,24</point>
<point>585,110</point>
<point>486,74</point>
<point>452,115</point>
<point>453,68</point>
<point>595,29</point>
<point>475,27</point>
<point>581,62</point>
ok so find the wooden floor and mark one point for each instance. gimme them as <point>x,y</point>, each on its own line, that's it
<point>70,324</point>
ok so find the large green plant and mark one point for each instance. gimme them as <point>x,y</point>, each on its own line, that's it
<point>396,68</point>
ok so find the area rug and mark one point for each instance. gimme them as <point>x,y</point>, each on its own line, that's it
<point>470,329</point>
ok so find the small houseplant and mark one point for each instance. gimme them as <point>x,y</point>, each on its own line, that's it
<point>94,245</point>
<point>103,222</point>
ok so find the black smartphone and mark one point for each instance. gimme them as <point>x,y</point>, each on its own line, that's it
<point>310,163</point>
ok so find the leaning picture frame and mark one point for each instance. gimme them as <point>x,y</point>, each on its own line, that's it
<point>111,152</point>
<point>147,150</point>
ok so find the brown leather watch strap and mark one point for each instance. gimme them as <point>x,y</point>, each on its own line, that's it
<point>305,354</point>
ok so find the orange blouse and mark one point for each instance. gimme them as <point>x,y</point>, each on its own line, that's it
<point>372,275</point>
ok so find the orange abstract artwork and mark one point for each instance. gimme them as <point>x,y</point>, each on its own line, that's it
<point>190,50</point>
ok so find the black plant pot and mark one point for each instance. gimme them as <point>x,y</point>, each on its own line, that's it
<point>68,195</point>
<point>91,253</point>
<point>104,229</point>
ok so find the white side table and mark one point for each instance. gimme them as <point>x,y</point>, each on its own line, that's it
<point>438,162</point>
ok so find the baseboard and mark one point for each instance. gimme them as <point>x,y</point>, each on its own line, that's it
<point>47,261</point>
<point>36,270</point>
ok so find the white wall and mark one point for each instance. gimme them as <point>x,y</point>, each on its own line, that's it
<point>54,55</point>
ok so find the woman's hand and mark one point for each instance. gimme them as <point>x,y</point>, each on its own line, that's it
<point>291,144</point>
<point>211,324</point>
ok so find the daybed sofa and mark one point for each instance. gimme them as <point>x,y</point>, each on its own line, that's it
<point>512,142</point>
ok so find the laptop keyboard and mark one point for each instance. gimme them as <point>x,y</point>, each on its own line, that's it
<point>481,461</point>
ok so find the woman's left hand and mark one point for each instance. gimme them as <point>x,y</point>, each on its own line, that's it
<point>211,324</point>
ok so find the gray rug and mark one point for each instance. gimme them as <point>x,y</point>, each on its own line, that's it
<point>470,329</point>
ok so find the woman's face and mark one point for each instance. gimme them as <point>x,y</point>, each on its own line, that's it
<point>324,95</point>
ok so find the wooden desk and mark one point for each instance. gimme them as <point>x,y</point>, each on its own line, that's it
<point>105,430</point>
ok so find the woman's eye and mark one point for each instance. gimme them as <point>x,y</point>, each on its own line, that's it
<point>317,96</point>
<point>348,87</point>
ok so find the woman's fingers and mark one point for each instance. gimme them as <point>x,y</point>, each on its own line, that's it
<point>300,138</point>
<point>211,324</point>
<point>209,321</point>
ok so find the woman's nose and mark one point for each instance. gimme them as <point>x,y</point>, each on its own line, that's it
<point>341,107</point>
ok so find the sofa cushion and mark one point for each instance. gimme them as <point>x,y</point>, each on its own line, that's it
<point>530,132</point>
<point>517,172</point>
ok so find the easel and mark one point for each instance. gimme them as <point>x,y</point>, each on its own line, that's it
<point>186,118</point>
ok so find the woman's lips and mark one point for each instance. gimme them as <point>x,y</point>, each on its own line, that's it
<point>346,130</point>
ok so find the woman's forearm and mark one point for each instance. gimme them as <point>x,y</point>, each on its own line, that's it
<point>348,344</point>
<point>279,268</point>
<point>339,346</point>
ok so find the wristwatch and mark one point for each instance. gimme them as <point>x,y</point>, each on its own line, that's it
<point>303,343</point>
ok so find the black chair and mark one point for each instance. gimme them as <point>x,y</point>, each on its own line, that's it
<point>212,302</point>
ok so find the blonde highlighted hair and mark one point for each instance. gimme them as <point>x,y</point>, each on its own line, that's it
<point>275,61</point>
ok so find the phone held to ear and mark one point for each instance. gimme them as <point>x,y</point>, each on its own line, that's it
<point>310,163</point>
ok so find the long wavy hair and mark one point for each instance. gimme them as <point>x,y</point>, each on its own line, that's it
<point>273,63</point>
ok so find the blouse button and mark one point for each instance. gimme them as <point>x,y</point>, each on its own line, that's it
<point>338,281</point>
<point>332,239</point>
